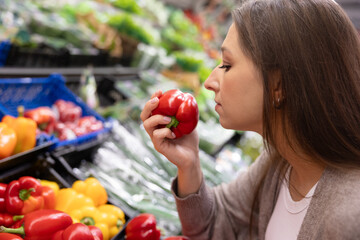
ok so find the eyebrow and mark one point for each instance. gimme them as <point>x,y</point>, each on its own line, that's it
<point>225,49</point>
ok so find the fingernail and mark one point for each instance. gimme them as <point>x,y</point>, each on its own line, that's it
<point>154,100</point>
<point>173,135</point>
<point>167,119</point>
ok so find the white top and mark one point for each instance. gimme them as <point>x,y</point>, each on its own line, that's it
<point>288,215</point>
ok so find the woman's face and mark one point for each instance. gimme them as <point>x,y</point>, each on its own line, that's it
<point>238,87</point>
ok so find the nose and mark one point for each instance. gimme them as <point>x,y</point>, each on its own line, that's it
<point>212,82</point>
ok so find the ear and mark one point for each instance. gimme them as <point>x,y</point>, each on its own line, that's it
<point>278,97</point>
<point>275,78</point>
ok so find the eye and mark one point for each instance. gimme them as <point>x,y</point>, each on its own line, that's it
<point>226,67</point>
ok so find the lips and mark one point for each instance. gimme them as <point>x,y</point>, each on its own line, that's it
<point>217,102</point>
<point>217,106</point>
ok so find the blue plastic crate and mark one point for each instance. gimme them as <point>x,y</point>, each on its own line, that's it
<point>4,51</point>
<point>35,92</point>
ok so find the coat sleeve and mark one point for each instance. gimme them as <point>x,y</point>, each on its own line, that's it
<point>222,212</point>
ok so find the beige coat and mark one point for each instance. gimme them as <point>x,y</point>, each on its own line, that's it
<point>223,212</point>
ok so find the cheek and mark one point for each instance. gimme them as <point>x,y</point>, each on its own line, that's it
<point>243,105</point>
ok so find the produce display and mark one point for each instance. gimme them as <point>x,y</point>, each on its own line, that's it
<point>32,208</point>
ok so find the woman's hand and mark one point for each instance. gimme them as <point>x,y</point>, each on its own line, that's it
<point>183,152</point>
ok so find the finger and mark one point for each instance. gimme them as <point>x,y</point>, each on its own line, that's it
<point>148,108</point>
<point>161,134</point>
<point>157,94</point>
<point>146,113</point>
<point>154,122</point>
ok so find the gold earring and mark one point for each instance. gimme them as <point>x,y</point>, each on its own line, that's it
<point>278,103</point>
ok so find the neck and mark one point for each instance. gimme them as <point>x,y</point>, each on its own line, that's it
<point>305,173</point>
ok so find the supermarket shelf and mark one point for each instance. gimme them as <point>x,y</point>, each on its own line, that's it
<point>117,71</point>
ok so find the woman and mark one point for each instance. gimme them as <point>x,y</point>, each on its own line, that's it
<point>290,72</point>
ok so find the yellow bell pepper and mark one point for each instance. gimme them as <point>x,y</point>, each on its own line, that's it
<point>115,218</point>
<point>7,140</point>
<point>53,185</point>
<point>90,215</point>
<point>68,200</point>
<point>25,129</point>
<point>92,188</point>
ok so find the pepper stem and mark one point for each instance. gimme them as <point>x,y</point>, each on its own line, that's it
<point>21,110</point>
<point>89,221</point>
<point>119,223</point>
<point>18,217</point>
<point>174,122</point>
<point>24,194</point>
<point>19,230</point>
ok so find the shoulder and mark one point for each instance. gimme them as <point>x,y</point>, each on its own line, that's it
<point>341,188</point>
<point>345,188</point>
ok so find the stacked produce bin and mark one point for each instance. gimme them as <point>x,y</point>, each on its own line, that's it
<point>45,160</point>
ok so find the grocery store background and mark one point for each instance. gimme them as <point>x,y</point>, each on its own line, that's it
<point>108,57</point>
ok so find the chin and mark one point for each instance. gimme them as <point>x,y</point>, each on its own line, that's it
<point>237,127</point>
<point>225,124</point>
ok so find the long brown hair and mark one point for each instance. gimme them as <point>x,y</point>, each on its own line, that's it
<point>316,49</point>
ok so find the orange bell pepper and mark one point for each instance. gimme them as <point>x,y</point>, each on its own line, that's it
<point>25,130</point>
<point>7,140</point>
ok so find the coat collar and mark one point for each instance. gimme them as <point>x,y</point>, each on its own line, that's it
<point>322,195</point>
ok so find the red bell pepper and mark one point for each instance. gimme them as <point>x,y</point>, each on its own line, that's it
<point>142,227</point>
<point>9,236</point>
<point>67,110</point>
<point>23,196</point>
<point>88,124</point>
<point>44,117</point>
<point>96,232</point>
<point>19,221</point>
<point>49,197</point>
<point>41,224</point>
<point>78,231</point>
<point>8,220</point>
<point>183,110</point>
<point>2,197</point>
